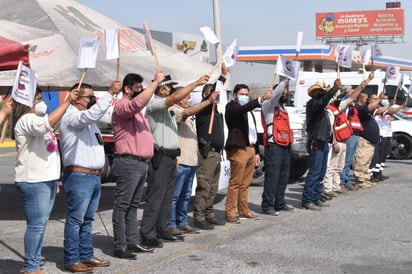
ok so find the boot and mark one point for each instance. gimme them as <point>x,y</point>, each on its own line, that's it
<point>375,177</point>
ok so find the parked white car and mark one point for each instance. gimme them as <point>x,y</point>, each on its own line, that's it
<point>402,136</point>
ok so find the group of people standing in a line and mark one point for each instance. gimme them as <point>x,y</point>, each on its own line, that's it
<point>157,140</point>
<point>364,150</point>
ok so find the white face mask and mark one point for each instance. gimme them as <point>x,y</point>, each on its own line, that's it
<point>384,102</point>
<point>40,108</point>
<point>243,99</point>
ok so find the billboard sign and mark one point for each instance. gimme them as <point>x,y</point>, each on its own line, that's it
<point>360,23</point>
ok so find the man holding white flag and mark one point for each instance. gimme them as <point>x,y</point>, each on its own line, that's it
<point>82,150</point>
<point>210,148</point>
<point>278,140</point>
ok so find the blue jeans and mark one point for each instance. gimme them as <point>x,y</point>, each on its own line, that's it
<point>318,160</point>
<point>130,175</point>
<point>351,145</point>
<point>181,196</point>
<point>83,195</point>
<point>38,201</point>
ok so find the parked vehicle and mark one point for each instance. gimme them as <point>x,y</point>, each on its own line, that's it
<point>402,145</point>
<point>402,136</point>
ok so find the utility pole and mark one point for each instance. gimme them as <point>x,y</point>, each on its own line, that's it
<point>216,18</point>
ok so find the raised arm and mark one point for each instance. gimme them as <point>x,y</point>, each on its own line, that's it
<point>195,109</point>
<point>183,92</point>
<point>355,93</point>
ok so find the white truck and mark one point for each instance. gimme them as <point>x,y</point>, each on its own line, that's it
<point>402,141</point>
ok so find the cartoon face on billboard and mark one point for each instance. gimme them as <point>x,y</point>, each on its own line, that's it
<point>326,25</point>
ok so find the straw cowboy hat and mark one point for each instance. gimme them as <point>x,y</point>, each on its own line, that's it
<point>316,86</point>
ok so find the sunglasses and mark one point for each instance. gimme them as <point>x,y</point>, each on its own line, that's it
<point>91,97</point>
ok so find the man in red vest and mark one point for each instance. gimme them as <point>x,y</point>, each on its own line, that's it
<point>278,138</point>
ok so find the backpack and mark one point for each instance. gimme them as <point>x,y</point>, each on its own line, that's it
<point>281,132</point>
<point>342,129</point>
<point>353,117</point>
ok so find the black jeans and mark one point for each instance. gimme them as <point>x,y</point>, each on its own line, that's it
<point>130,175</point>
<point>277,168</point>
<point>160,189</point>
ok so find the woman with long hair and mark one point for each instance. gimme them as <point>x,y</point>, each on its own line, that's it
<point>37,170</point>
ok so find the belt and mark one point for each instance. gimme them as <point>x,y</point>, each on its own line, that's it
<point>97,172</point>
<point>132,157</point>
<point>171,152</point>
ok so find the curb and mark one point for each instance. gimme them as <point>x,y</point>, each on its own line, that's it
<point>8,143</point>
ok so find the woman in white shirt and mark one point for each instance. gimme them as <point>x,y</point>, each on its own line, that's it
<point>37,170</point>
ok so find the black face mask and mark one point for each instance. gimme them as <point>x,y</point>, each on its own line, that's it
<point>91,102</point>
<point>283,99</point>
<point>135,93</point>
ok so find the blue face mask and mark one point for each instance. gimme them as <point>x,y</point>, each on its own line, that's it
<point>243,99</point>
<point>385,102</point>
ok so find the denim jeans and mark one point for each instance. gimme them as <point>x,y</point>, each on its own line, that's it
<point>318,160</point>
<point>130,175</point>
<point>38,201</point>
<point>83,194</point>
<point>351,145</point>
<point>181,196</point>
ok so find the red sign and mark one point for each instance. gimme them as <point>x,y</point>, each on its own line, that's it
<point>360,23</point>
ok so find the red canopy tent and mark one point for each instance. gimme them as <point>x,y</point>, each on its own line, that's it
<point>11,53</point>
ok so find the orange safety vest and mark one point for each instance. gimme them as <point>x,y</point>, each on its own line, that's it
<point>281,132</point>
<point>341,127</point>
<point>353,117</point>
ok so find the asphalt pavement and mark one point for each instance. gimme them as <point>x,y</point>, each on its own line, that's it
<point>365,231</point>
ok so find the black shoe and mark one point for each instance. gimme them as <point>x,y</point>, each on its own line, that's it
<point>375,178</point>
<point>326,196</point>
<point>203,225</point>
<point>140,248</point>
<point>215,221</point>
<point>319,204</point>
<point>286,208</point>
<point>271,212</point>
<point>152,243</point>
<point>123,253</point>
<point>169,237</point>
<point>311,206</point>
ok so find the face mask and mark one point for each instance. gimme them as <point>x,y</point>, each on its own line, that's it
<point>40,108</point>
<point>91,103</point>
<point>243,99</point>
<point>283,99</point>
<point>385,102</point>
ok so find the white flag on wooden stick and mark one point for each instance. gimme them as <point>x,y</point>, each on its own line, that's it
<point>25,85</point>
<point>87,55</point>
<point>230,55</point>
<point>393,73</point>
<point>112,43</point>
<point>209,35</point>
<point>287,68</point>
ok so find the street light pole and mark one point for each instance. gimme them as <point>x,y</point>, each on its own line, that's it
<point>216,18</point>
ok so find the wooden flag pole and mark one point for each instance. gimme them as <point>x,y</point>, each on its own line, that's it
<point>4,129</point>
<point>82,78</point>
<point>364,71</point>
<point>215,67</point>
<point>338,71</point>
<point>212,117</point>
<point>118,58</point>
<point>153,47</point>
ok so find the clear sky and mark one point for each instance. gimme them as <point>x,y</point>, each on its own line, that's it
<point>253,23</point>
